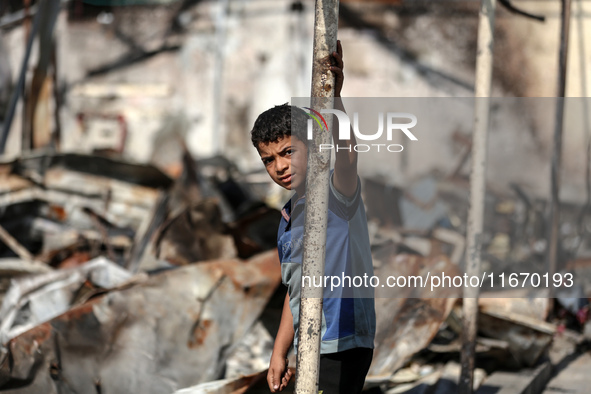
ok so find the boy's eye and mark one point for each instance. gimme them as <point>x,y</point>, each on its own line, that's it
<point>267,161</point>
<point>288,152</point>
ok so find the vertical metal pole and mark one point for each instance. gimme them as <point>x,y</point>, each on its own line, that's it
<point>21,82</point>
<point>557,153</point>
<point>221,25</point>
<point>484,58</point>
<point>586,128</point>
<point>582,57</point>
<point>26,137</point>
<point>317,178</point>
<point>57,133</point>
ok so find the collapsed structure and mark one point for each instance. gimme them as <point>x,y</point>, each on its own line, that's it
<point>120,271</point>
<point>128,266</point>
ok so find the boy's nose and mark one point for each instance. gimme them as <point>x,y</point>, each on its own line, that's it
<point>282,164</point>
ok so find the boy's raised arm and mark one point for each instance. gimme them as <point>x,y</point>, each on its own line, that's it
<point>345,168</point>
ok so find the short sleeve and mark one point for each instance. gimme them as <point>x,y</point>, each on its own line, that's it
<point>343,206</point>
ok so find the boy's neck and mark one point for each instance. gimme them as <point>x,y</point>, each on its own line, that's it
<point>300,192</point>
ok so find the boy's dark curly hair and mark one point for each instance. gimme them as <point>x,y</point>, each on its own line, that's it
<point>279,122</point>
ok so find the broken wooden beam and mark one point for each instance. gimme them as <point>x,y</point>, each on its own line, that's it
<point>16,246</point>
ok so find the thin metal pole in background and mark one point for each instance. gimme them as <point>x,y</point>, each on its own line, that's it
<point>317,178</point>
<point>18,89</point>
<point>221,27</point>
<point>26,137</point>
<point>557,152</point>
<point>484,62</point>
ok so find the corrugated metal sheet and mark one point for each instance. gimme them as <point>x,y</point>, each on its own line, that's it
<point>407,320</point>
<point>174,330</point>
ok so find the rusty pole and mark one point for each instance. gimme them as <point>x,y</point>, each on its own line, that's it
<point>557,152</point>
<point>221,27</point>
<point>317,178</point>
<point>484,60</point>
<point>26,137</point>
<point>20,85</point>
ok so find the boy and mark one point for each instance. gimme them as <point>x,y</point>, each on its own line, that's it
<point>348,324</point>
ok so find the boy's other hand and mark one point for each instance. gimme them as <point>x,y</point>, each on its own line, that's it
<point>279,375</point>
<point>337,69</point>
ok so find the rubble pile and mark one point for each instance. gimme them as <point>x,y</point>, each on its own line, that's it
<point>524,334</point>
<point>100,280</point>
<point>118,278</point>
<point>101,290</point>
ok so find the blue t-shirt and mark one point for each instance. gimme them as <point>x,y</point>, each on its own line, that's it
<point>347,323</point>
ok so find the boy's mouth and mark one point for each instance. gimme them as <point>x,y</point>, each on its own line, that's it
<point>286,179</point>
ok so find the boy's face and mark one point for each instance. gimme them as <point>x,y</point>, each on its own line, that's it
<point>285,162</point>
